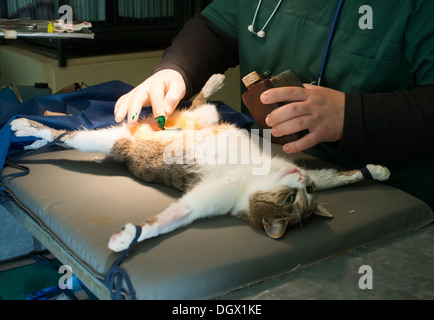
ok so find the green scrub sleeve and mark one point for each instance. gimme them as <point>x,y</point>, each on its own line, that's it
<point>419,39</point>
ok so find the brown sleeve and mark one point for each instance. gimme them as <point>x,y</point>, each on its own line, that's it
<point>388,126</point>
<point>199,51</point>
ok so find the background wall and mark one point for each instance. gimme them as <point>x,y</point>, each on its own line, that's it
<point>24,67</point>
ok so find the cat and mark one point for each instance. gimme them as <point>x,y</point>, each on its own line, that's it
<point>191,161</point>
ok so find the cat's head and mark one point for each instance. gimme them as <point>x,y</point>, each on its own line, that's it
<point>289,202</point>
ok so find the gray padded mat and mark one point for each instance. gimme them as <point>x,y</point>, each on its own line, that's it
<point>82,202</point>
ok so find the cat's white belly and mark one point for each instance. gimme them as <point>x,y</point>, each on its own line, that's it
<point>229,149</point>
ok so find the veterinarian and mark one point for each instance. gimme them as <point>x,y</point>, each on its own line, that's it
<point>368,68</point>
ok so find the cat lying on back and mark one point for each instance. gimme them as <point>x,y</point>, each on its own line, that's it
<point>188,160</point>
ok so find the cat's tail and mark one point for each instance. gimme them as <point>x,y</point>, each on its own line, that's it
<point>214,84</point>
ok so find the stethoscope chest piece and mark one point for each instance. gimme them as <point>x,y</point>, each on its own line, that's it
<point>261,33</point>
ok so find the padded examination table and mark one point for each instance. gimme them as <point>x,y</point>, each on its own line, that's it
<point>73,202</point>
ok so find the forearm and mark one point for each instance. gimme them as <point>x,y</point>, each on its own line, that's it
<point>198,51</point>
<point>386,126</point>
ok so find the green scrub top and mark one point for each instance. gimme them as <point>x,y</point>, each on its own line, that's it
<point>378,46</point>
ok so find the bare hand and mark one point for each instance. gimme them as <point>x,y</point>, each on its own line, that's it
<point>162,91</point>
<point>320,110</point>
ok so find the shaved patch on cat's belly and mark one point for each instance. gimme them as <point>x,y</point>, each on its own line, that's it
<point>145,130</point>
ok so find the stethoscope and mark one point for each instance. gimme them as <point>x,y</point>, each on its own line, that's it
<point>261,34</point>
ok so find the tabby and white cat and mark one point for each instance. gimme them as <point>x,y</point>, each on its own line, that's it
<point>191,161</point>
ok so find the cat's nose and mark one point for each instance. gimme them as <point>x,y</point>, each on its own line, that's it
<point>302,179</point>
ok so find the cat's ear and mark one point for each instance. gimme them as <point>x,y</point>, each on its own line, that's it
<point>274,228</point>
<point>323,212</point>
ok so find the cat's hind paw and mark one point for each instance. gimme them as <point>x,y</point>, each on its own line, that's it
<point>122,240</point>
<point>379,173</point>
<point>214,84</point>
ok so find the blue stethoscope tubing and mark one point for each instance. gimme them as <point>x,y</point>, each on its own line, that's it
<point>329,42</point>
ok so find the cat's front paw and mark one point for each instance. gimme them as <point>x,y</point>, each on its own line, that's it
<point>122,240</point>
<point>23,127</point>
<point>379,173</point>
